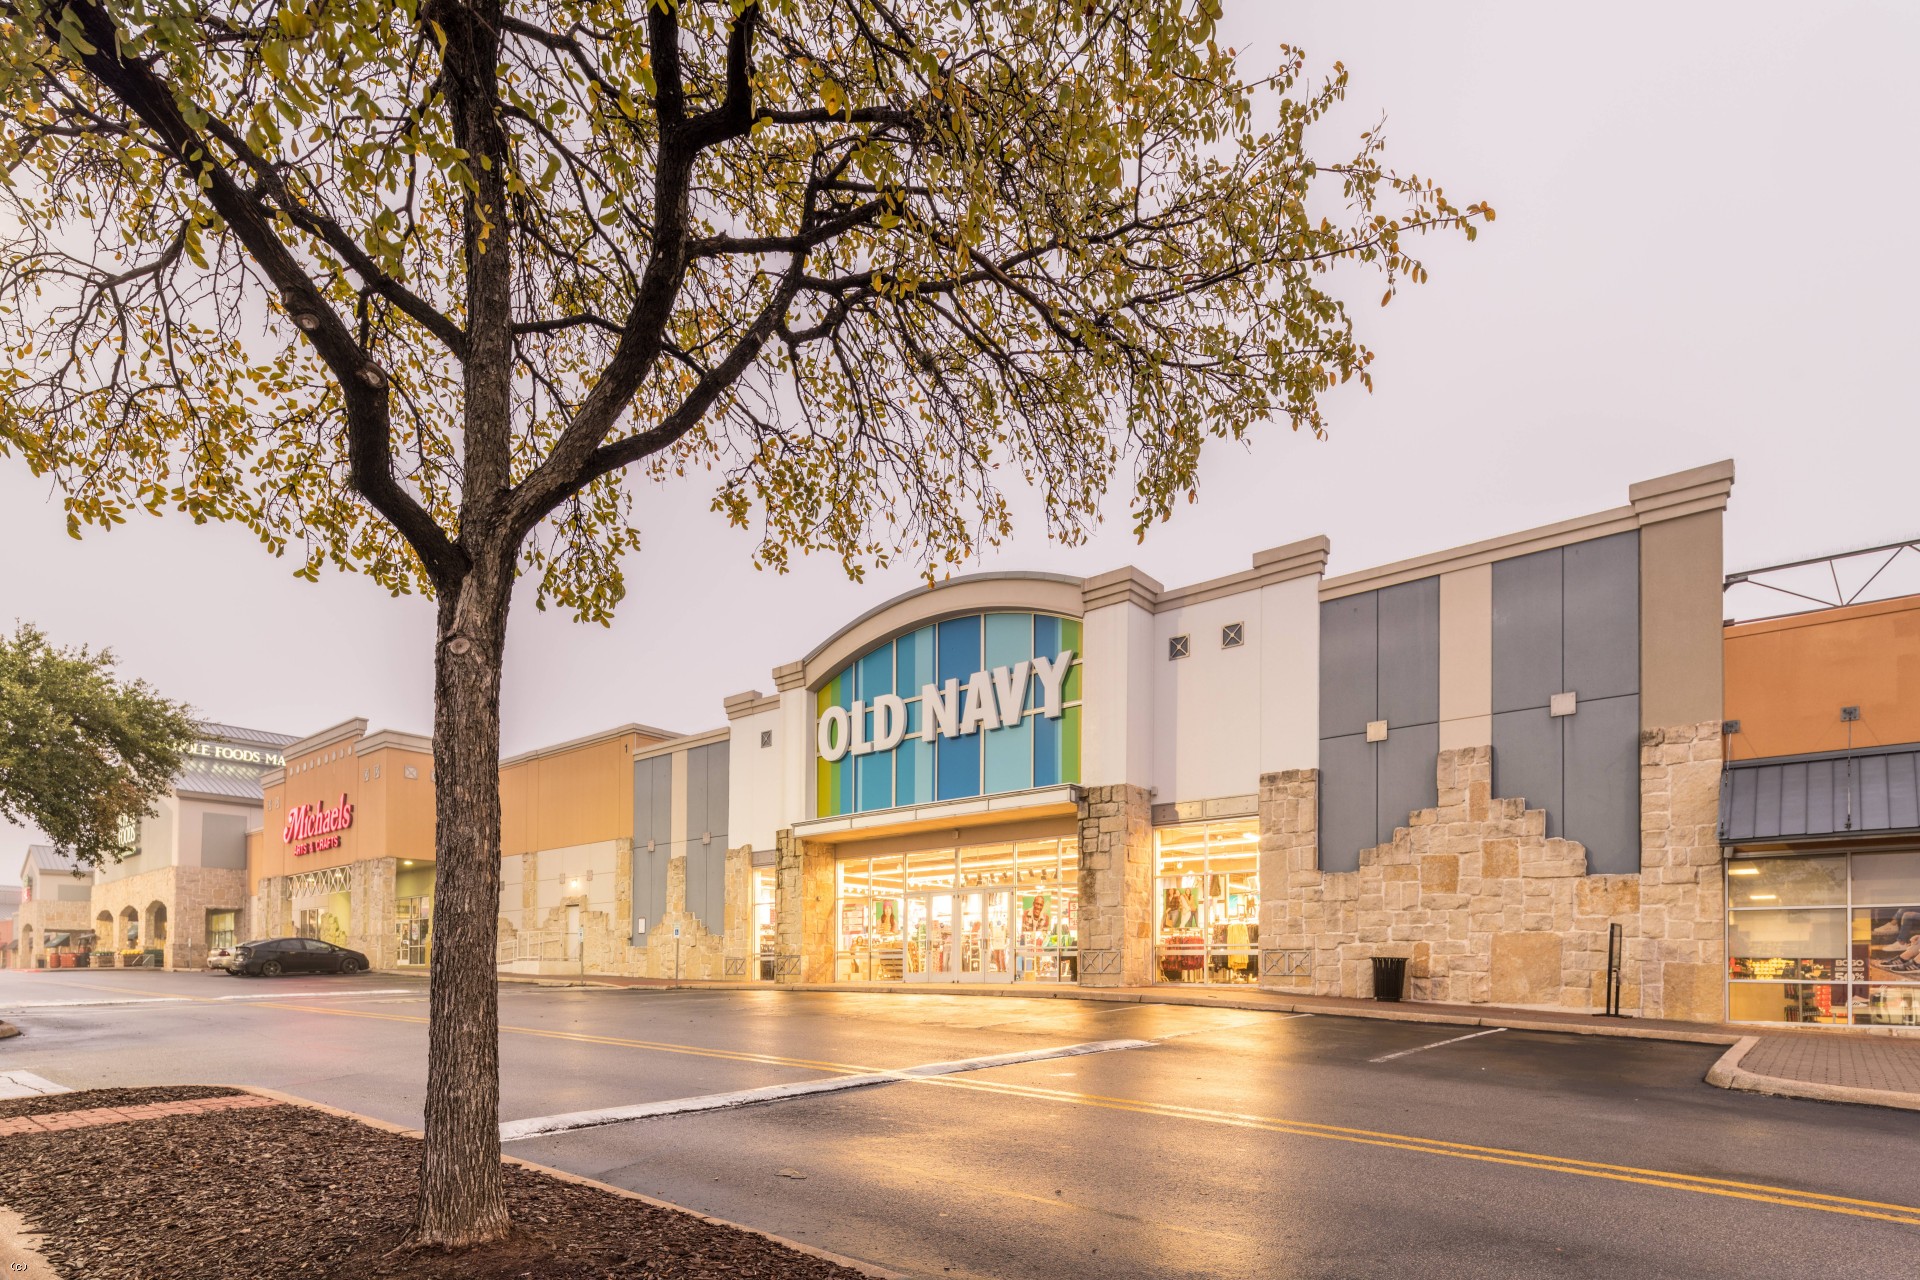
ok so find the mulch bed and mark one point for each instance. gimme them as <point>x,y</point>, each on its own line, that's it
<point>288,1191</point>
<point>49,1103</point>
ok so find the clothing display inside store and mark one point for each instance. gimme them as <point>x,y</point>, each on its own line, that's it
<point>1209,903</point>
<point>988,913</point>
<point>1833,938</point>
<point>766,936</point>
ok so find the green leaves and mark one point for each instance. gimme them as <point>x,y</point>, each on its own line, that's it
<point>83,753</point>
<point>947,244</point>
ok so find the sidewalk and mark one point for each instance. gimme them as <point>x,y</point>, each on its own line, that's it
<point>1876,1066</point>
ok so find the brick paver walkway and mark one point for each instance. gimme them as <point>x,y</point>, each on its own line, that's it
<point>55,1121</point>
<point>1858,1062</point>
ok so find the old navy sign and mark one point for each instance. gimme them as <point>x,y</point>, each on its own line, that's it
<point>989,700</point>
<point>316,828</point>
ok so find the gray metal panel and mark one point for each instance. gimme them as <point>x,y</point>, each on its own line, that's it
<point>1409,680</point>
<point>1407,763</point>
<point>223,840</point>
<point>1526,631</point>
<point>1348,808</point>
<point>1526,761</point>
<point>662,800</point>
<point>1871,812</point>
<point>1869,791</point>
<point>1600,615</point>
<point>1793,800</point>
<point>696,794</point>
<point>652,823</point>
<point>1737,792</point>
<point>1767,803</point>
<point>1826,802</point>
<point>1903,785</point>
<point>1601,782</point>
<point>1349,664</point>
<point>717,784</point>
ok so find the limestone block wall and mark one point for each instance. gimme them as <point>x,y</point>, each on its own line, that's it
<point>803,892</point>
<point>1488,909</point>
<point>36,919</point>
<point>369,926</point>
<point>1116,886</point>
<point>606,922</point>
<point>188,893</point>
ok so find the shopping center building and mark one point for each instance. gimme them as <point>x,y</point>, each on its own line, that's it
<point>1500,762</point>
<point>346,852</point>
<point>183,889</point>
<point>1820,813</point>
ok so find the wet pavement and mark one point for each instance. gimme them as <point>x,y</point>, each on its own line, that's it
<point>1225,1143</point>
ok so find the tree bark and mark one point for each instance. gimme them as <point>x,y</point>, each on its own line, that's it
<point>462,1201</point>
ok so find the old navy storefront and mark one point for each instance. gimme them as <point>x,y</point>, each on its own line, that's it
<point>979,715</point>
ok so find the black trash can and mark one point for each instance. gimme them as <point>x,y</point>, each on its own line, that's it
<point>1389,977</point>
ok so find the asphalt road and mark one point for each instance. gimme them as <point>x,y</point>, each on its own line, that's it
<point>1231,1144</point>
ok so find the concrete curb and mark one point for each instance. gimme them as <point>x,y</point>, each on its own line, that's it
<point>387,1126</point>
<point>1515,1019</point>
<point>1727,1073</point>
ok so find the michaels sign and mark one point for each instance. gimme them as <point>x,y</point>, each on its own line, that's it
<point>990,698</point>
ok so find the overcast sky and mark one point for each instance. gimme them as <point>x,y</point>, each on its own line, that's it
<point>1702,252</point>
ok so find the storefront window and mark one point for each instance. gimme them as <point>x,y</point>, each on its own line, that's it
<point>1833,938</point>
<point>764,933</point>
<point>1208,900</point>
<point>987,913</point>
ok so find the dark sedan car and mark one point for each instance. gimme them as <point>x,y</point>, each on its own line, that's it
<point>276,956</point>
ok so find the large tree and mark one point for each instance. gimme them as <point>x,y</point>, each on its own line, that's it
<point>84,754</point>
<point>406,285</point>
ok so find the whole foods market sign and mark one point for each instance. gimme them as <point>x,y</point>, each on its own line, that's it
<point>990,698</point>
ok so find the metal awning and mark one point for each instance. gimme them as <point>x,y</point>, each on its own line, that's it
<point>1872,791</point>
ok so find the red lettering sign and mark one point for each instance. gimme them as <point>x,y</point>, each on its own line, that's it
<point>307,821</point>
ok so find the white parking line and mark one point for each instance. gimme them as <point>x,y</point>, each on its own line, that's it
<point>319,995</point>
<point>1389,1057</point>
<point>516,1130</point>
<point>94,1004</point>
<point>124,1001</point>
<point>25,1084</point>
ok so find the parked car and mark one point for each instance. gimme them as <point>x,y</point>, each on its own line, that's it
<point>276,956</point>
<point>222,958</point>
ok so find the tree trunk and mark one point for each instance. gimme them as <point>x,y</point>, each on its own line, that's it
<point>461,1197</point>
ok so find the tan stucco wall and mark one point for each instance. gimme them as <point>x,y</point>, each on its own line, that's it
<point>1680,620</point>
<point>1788,678</point>
<point>1466,657</point>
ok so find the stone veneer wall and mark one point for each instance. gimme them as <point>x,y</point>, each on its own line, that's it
<point>606,946</point>
<point>803,916</point>
<point>370,909</point>
<point>44,916</point>
<point>188,894</point>
<point>1489,910</point>
<point>1116,886</point>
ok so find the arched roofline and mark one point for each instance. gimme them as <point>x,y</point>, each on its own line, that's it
<point>1055,593</point>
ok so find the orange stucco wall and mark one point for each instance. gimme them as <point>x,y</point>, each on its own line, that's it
<point>392,813</point>
<point>570,796</point>
<point>1787,679</point>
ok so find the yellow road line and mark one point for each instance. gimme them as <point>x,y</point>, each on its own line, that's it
<point>1906,1215</point>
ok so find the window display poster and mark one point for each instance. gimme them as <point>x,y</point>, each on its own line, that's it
<point>1886,943</point>
<point>1178,908</point>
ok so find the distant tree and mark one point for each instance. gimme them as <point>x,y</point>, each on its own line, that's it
<point>406,285</point>
<point>83,754</point>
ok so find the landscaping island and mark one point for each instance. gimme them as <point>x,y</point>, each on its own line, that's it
<point>221,1184</point>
